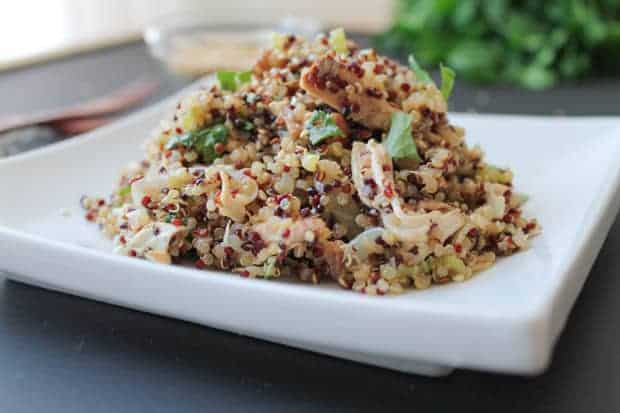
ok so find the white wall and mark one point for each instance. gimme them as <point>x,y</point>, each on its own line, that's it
<point>34,29</point>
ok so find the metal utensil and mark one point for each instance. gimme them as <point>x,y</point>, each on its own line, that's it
<point>86,115</point>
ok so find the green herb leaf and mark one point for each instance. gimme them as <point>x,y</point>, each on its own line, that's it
<point>125,191</point>
<point>186,139</point>
<point>321,126</point>
<point>338,40</point>
<point>227,79</point>
<point>399,142</point>
<point>207,140</point>
<point>447,80</point>
<point>231,81</point>
<point>244,77</point>
<point>420,74</point>
<point>202,140</point>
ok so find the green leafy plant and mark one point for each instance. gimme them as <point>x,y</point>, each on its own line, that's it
<point>534,44</point>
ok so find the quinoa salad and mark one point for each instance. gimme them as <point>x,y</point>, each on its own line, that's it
<point>323,162</point>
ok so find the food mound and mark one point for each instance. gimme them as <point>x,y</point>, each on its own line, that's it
<point>326,161</point>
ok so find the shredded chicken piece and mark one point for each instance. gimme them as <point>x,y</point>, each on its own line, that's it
<point>495,207</point>
<point>307,230</point>
<point>138,218</point>
<point>333,252</point>
<point>432,205</point>
<point>272,230</point>
<point>364,244</point>
<point>339,87</point>
<point>238,191</point>
<point>371,161</point>
<point>150,185</point>
<point>370,180</point>
<point>155,241</point>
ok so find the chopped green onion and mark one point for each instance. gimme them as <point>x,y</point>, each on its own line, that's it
<point>125,191</point>
<point>227,80</point>
<point>399,142</point>
<point>321,126</point>
<point>338,40</point>
<point>231,81</point>
<point>420,74</point>
<point>447,80</point>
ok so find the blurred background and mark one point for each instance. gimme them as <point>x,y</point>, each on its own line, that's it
<point>61,27</point>
<point>557,57</point>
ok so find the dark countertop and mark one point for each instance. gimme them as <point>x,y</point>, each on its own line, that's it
<point>65,354</point>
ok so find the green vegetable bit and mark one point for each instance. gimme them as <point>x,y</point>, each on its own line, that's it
<point>321,126</point>
<point>447,76</point>
<point>244,77</point>
<point>206,142</point>
<point>533,44</point>
<point>125,191</point>
<point>202,141</point>
<point>420,74</point>
<point>447,80</point>
<point>399,142</point>
<point>338,40</point>
<point>231,81</point>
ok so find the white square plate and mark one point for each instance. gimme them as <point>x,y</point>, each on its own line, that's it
<point>505,319</point>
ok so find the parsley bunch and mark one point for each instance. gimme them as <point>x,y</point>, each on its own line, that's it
<point>534,44</point>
